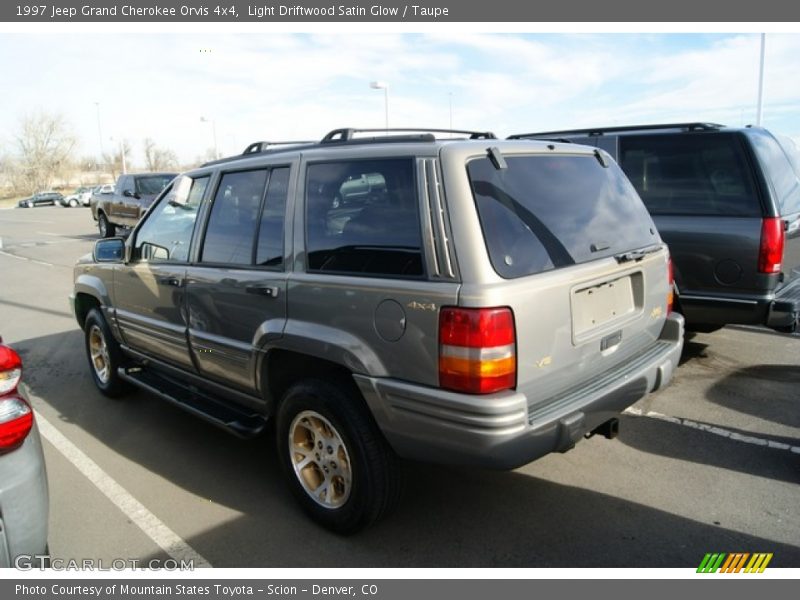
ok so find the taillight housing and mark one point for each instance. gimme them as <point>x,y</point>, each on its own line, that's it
<point>770,253</point>
<point>477,350</point>
<point>16,416</point>
<point>670,286</point>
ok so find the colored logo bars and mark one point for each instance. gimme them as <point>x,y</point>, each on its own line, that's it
<point>735,562</point>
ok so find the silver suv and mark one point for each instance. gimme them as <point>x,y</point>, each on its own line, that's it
<point>488,303</point>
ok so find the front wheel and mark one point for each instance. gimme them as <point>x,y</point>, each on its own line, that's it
<point>339,466</point>
<point>73,203</point>
<point>107,229</point>
<point>104,354</point>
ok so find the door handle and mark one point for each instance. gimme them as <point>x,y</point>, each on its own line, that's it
<point>270,291</point>
<point>173,281</point>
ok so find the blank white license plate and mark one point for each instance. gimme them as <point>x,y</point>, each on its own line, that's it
<point>593,307</point>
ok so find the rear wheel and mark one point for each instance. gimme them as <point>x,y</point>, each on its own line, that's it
<point>338,465</point>
<point>104,354</point>
<point>107,229</point>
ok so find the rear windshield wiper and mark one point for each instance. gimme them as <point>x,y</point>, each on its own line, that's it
<point>636,255</point>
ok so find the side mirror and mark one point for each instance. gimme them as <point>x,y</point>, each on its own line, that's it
<point>110,250</point>
<point>130,194</point>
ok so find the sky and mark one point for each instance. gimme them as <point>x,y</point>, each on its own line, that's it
<point>271,86</point>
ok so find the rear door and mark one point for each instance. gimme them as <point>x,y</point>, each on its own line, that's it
<point>700,190</point>
<point>563,231</point>
<point>236,293</point>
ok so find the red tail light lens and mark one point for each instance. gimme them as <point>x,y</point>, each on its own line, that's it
<point>770,255</point>
<point>16,417</point>
<point>477,350</point>
<point>671,285</point>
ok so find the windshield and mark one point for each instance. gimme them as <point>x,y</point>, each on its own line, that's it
<point>547,212</point>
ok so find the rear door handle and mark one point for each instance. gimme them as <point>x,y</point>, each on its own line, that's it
<point>270,291</point>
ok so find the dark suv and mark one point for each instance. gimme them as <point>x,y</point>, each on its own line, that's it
<point>486,303</point>
<point>727,202</point>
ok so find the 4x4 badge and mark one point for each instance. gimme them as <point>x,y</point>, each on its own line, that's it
<point>414,305</point>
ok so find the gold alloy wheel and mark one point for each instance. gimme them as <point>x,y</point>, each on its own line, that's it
<point>320,459</point>
<point>98,351</point>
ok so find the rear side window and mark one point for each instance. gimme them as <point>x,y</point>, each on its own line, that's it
<point>269,250</point>
<point>547,212</point>
<point>234,216</point>
<point>692,174</point>
<point>779,169</point>
<point>362,218</point>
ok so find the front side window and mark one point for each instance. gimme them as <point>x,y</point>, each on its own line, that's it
<point>167,233</point>
<point>362,218</point>
<point>231,229</point>
<point>690,174</point>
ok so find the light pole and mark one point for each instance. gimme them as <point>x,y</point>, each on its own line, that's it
<point>382,85</point>
<point>761,80</point>
<point>99,131</point>
<point>122,154</point>
<point>214,131</point>
<point>450,105</point>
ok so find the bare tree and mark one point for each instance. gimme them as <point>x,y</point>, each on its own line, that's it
<point>114,160</point>
<point>45,143</point>
<point>158,159</point>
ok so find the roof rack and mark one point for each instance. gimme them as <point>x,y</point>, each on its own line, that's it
<point>603,130</point>
<point>258,147</point>
<point>425,134</point>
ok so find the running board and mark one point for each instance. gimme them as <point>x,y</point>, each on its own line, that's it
<point>239,422</point>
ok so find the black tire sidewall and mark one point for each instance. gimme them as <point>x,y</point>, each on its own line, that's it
<point>347,415</point>
<point>115,386</point>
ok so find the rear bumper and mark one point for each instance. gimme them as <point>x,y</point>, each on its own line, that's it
<point>504,431</point>
<point>784,310</point>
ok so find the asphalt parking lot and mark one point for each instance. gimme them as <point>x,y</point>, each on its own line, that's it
<point>711,464</point>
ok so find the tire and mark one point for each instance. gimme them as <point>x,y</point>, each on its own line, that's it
<point>104,355</point>
<point>107,229</point>
<point>328,427</point>
<point>73,203</point>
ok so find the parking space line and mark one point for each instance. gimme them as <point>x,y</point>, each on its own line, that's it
<point>33,260</point>
<point>720,431</point>
<point>166,539</point>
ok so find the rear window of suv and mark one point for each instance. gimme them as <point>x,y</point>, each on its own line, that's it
<point>695,174</point>
<point>547,212</point>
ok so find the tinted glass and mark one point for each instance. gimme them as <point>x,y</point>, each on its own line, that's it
<point>547,212</point>
<point>152,185</point>
<point>694,174</point>
<point>234,217</point>
<point>779,169</point>
<point>362,218</point>
<point>166,234</point>
<point>269,252</point>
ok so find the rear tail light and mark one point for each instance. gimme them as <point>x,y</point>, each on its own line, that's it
<point>770,255</point>
<point>477,350</point>
<point>670,286</point>
<point>16,416</point>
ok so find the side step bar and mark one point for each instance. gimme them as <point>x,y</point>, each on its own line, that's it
<point>241,423</point>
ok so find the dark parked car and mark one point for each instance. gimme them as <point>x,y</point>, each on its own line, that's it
<point>488,302</point>
<point>24,503</point>
<point>727,202</point>
<point>132,196</point>
<point>41,199</point>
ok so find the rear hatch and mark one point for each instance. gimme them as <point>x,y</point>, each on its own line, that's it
<point>579,261</point>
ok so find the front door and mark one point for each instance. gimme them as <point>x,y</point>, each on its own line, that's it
<point>150,291</point>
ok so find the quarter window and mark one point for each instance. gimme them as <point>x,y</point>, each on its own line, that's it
<point>167,233</point>
<point>362,218</point>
